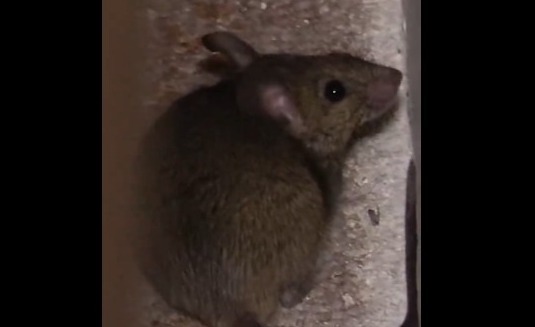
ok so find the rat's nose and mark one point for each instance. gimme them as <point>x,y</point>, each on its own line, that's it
<point>390,76</point>
<point>382,91</point>
<point>384,86</point>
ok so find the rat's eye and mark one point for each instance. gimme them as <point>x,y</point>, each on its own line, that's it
<point>334,91</point>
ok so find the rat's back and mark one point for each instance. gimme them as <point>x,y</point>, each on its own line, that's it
<point>234,211</point>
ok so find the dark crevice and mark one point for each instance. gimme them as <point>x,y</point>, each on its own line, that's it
<point>411,237</point>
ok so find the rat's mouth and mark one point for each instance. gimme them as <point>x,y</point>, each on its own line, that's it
<point>392,104</point>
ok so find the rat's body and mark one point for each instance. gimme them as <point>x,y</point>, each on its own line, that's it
<point>238,180</point>
<point>232,219</point>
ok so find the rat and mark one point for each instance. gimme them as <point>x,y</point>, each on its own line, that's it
<point>238,180</point>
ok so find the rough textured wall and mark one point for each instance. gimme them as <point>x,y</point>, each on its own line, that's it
<point>363,283</point>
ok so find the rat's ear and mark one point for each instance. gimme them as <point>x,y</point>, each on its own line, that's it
<point>382,92</point>
<point>241,53</point>
<point>275,102</point>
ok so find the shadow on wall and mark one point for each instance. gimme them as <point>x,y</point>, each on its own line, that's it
<point>411,237</point>
<point>412,11</point>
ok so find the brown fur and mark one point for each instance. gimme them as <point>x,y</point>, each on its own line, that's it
<point>236,202</point>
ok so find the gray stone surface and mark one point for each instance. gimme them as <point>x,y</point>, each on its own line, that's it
<point>362,282</point>
<point>413,13</point>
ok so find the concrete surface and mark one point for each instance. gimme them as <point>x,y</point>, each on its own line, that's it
<point>363,283</point>
<point>413,13</point>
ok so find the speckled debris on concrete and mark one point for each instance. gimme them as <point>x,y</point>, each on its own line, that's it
<point>363,281</point>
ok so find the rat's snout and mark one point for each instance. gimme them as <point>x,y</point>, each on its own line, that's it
<point>382,91</point>
<point>392,75</point>
<point>387,79</point>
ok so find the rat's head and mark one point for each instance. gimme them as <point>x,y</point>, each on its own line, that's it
<point>320,100</point>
